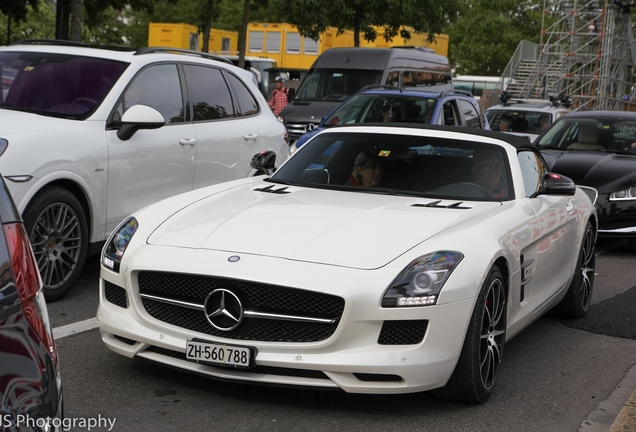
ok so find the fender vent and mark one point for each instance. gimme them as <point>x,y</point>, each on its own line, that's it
<point>270,189</point>
<point>457,204</point>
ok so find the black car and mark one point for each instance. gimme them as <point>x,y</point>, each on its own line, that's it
<point>597,149</point>
<point>30,384</point>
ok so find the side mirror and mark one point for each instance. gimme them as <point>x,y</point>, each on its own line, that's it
<point>555,184</point>
<point>139,117</point>
<point>264,161</point>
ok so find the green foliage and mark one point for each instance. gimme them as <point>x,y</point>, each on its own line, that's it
<point>486,33</point>
<point>312,17</point>
<point>18,9</point>
<point>39,23</point>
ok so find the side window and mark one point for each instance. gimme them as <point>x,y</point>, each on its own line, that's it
<point>470,114</point>
<point>158,87</point>
<point>247,105</point>
<point>450,115</point>
<point>209,93</point>
<point>532,169</point>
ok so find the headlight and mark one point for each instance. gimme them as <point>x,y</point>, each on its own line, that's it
<point>421,281</point>
<point>626,194</point>
<point>117,243</point>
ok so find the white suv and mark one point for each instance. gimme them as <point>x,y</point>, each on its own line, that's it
<point>90,135</point>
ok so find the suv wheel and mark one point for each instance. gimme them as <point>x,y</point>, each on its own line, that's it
<point>57,228</point>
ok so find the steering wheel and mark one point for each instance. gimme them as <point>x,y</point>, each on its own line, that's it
<point>486,192</point>
<point>88,102</point>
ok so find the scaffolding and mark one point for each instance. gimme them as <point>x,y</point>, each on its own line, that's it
<point>588,53</point>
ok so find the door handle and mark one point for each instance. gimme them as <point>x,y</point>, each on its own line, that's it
<point>570,206</point>
<point>248,137</point>
<point>187,141</point>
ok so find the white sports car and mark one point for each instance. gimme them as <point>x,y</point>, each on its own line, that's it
<point>376,260</point>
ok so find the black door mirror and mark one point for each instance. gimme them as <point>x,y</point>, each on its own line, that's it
<point>264,161</point>
<point>555,184</point>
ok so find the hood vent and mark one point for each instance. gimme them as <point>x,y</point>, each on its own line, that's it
<point>457,204</point>
<point>270,189</point>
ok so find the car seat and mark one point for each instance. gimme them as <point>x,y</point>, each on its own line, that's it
<point>588,138</point>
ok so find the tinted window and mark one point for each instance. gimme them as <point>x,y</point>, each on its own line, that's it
<point>246,103</point>
<point>158,87</point>
<point>403,165</point>
<point>67,85</point>
<point>209,93</point>
<point>335,84</point>
<point>532,169</point>
<point>364,108</point>
<point>470,114</point>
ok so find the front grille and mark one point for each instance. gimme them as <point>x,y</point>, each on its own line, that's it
<point>267,370</point>
<point>591,193</point>
<point>402,332</point>
<point>255,297</point>
<point>115,294</point>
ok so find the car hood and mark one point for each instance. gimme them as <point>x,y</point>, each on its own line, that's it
<point>304,112</point>
<point>17,122</point>
<point>357,230</point>
<point>607,172</point>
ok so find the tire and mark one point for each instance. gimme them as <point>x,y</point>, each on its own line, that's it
<point>56,225</point>
<point>480,361</point>
<point>579,295</point>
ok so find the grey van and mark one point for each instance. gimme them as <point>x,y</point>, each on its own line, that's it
<point>340,72</point>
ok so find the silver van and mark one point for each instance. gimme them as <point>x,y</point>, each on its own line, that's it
<point>341,72</point>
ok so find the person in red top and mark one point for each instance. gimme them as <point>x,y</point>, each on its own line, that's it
<point>278,101</point>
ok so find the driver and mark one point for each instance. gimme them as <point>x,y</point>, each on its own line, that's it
<point>487,172</point>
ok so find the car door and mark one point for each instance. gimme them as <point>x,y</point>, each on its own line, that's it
<point>228,135</point>
<point>552,254</point>
<point>152,164</point>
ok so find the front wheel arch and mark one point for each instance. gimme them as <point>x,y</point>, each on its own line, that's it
<point>57,226</point>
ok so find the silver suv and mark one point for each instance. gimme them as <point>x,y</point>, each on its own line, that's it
<point>90,135</point>
<point>526,117</point>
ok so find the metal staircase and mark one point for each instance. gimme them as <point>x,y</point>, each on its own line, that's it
<point>587,53</point>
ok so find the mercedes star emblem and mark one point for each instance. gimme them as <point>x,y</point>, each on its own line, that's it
<point>310,126</point>
<point>223,309</point>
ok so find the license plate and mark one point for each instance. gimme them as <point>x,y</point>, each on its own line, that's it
<point>218,354</point>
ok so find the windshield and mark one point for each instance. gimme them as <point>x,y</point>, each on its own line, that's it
<point>335,84</point>
<point>532,122</point>
<point>364,108</point>
<point>397,164</point>
<point>60,85</point>
<point>590,134</point>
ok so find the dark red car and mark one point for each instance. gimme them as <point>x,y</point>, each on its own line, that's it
<point>30,383</point>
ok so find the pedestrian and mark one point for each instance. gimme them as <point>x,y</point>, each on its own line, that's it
<point>278,101</point>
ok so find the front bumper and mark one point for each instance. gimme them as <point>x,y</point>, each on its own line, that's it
<point>351,359</point>
<point>617,219</point>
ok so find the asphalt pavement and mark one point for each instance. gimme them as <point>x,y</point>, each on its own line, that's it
<point>613,317</point>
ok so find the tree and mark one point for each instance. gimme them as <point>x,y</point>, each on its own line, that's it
<point>486,33</point>
<point>16,11</point>
<point>363,16</point>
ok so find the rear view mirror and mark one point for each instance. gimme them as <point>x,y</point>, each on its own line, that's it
<point>555,184</point>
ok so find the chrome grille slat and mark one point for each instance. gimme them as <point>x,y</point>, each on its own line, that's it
<point>272,313</point>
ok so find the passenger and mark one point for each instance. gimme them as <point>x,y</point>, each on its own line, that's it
<point>544,122</point>
<point>505,124</point>
<point>487,172</point>
<point>389,113</point>
<point>367,170</point>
